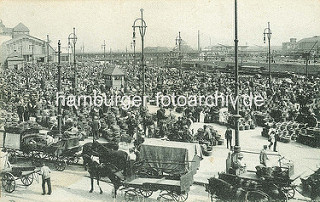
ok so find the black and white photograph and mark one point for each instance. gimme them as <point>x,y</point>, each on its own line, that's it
<point>159,100</point>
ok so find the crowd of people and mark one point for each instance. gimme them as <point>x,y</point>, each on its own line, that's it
<point>31,92</point>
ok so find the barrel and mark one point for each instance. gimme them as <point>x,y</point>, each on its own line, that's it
<point>241,127</point>
<point>247,127</point>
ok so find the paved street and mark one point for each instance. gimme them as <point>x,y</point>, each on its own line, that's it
<point>73,184</point>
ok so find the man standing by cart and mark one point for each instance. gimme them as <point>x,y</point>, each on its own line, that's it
<point>45,172</point>
<point>263,156</point>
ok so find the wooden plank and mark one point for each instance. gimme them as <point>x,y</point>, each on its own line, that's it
<point>25,173</point>
<point>186,181</point>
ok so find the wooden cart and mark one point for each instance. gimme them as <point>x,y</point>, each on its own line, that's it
<point>274,184</point>
<point>168,166</point>
<point>10,175</point>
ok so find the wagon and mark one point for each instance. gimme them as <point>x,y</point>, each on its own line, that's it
<point>267,183</point>
<point>168,166</point>
<point>10,175</point>
<point>36,147</point>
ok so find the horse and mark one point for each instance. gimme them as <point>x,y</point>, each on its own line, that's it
<point>97,170</point>
<point>91,149</point>
<point>111,164</point>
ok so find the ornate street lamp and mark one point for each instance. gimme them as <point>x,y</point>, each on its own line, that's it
<point>236,116</point>
<point>267,31</point>
<point>74,38</point>
<point>142,30</point>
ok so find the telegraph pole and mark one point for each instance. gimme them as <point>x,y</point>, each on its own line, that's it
<point>127,55</point>
<point>48,41</point>
<point>104,52</point>
<point>178,42</point>
<point>110,55</point>
<point>59,89</point>
<point>74,61</point>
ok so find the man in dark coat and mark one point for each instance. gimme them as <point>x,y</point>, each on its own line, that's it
<point>228,137</point>
<point>96,125</point>
<point>20,111</point>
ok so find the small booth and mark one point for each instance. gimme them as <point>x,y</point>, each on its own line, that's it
<point>14,61</point>
<point>114,77</point>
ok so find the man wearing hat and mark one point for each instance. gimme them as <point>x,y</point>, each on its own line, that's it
<point>263,156</point>
<point>96,125</point>
<point>45,172</point>
<point>228,137</point>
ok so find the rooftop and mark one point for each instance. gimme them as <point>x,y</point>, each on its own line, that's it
<point>310,39</point>
<point>21,28</point>
<point>114,71</point>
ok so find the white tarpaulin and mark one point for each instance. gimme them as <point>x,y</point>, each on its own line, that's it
<point>11,141</point>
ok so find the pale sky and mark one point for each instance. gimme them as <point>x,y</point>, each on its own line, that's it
<point>111,20</point>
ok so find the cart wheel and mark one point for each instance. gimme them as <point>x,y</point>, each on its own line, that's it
<point>166,197</point>
<point>8,182</point>
<point>26,154</point>
<point>37,156</point>
<point>146,193</point>
<point>289,192</point>
<point>76,159</point>
<point>12,158</point>
<point>130,195</point>
<point>181,197</point>
<point>53,158</point>
<point>27,180</point>
<point>256,196</point>
<point>60,165</point>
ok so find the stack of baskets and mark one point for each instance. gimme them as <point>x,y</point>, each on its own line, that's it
<point>246,125</point>
<point>309,136</point>
<point>287,131</point>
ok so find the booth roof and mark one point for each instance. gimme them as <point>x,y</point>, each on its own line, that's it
<point>114,71</point>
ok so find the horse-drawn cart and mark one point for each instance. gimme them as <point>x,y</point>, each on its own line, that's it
<point>39,147</point>
<point>265,184</point>
<point>10,174</point>
<point>167,166</point>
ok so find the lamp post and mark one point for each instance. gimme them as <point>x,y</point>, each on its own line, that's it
<point>178,42</point>
<point>134,52</point>
<point>74,38</point>
<point>59,88</point>
<point>142,29</point>
<point>236,74</point>
<point>267,31</point>
<point>104,52</point>
<point>48,55</point>
<point>127,56</point>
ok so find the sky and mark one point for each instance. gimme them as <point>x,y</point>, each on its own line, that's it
<point>112,20</point>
